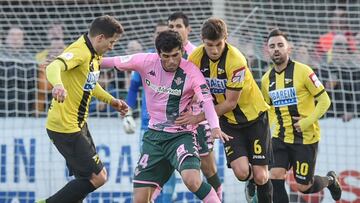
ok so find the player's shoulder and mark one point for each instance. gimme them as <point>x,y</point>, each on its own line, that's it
<point>235,57</point>
<point>197,54</point>
<point>77,49</point>
<point>267,74</point>
<point>302,68</point>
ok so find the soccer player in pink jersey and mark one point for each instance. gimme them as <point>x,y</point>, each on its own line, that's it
<point>170,83</point>
<point>179,22</point>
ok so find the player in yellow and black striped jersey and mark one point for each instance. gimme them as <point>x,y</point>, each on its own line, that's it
<point>291,89</point>
<point>74,76</point>
<point>239,103</point>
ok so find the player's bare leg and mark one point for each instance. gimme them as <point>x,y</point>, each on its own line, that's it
<point>143,194</point>
<point>204,191</point>
<point>243,172</point>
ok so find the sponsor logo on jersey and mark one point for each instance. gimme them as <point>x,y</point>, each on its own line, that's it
<point>67,55</point>
<point>315,80</point>
<point>91,81</point>
<point>162,89</point>
<point>283,97</point>
<point>238,75</point>
<point>217,86</point>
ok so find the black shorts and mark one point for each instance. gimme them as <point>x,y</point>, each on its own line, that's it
<point>79,151</point>
<point>302,158</point>
<point>253,141</point>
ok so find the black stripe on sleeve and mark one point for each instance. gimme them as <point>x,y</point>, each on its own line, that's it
<point>318,94</point>
<point>62,60</point>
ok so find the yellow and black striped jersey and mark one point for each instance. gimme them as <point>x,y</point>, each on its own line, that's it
<point>230,71</point>
<point>80,80</point>
<point>290,93</point>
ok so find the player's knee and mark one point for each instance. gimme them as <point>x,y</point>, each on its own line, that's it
<point>303,188</point>
<point>208,169</point>
<point>278,176</point>
<point>191,179</point>
<point>261,178</point>
<point>242,173</point>
<point>99,179</point>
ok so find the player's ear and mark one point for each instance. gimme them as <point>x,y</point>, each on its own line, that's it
<point>100,37</point>
<point>188,29</point>
<point>289,49</point>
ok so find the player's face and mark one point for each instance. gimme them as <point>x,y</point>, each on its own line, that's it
<point>214,48</point>
<point>178,26</point>
<point>170,61</point>
<point>106,44</point>
<point>279,50</point>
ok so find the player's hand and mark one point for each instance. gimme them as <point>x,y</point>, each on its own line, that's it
<point>120,106</point>
<point>59,93</point>
<point>129,123</point>
<point>187,118</point>
<point>216,133</point>
<point>297,124</point>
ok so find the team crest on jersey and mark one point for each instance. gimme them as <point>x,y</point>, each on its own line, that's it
<point>217,86</point>
<point>315,80</point>
<point>238,75</point>
<point>288,80</point>
<point>162,89</point>
<point>67,55</point>
<point>220,71</point>
<point>91,81</point>
<point>178,81</point>
<point>283,97</point>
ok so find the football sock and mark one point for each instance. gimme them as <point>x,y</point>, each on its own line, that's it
<point>280,195</point>
<point>265,192</point>
<point>319,184</point>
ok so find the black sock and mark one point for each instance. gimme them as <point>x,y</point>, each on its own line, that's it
<point>214,181</point>
<point>203,190</point>
<point>280,195</point>
<point>73,191</point>
<point>319,184</point>
<point>265,192</point>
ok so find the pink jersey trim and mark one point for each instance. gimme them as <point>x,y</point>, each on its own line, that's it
<point>146,182</point>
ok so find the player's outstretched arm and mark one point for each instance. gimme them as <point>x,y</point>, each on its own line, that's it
<point>124,63</point>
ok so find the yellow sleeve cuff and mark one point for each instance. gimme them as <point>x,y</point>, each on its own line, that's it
<point>102,95</point>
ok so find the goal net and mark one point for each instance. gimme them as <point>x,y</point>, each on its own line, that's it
<point>324,34</point>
